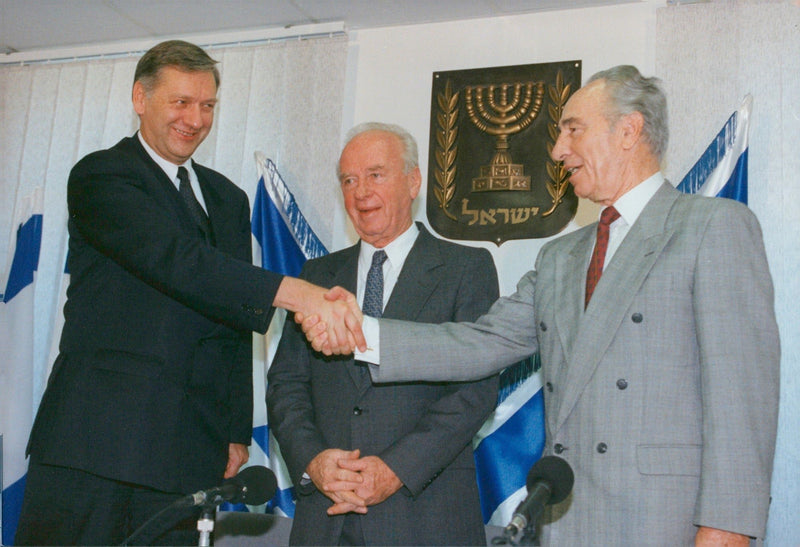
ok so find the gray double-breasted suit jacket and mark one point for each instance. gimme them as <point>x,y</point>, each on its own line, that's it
<point>422,430</point>
<point>662,395</point>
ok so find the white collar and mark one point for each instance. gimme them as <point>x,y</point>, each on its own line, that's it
<point>167,166</point>
<point>631,204</point>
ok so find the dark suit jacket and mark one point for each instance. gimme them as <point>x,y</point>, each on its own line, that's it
<point>423,431</point>
<point>153,380</point>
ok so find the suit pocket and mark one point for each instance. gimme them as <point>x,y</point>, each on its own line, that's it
<point>668,459</point>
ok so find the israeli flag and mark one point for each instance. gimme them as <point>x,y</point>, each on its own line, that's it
<point>16,340</point>
<point>722,169</point>
<point>283,242</point>
<point>510,441</point>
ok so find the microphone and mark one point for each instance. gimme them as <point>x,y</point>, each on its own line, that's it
<point>254,485</point>
<point>549,481</point>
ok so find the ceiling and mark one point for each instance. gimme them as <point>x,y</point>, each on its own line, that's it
<point>30,25</point>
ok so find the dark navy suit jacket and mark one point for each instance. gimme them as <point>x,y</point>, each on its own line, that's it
<point>154,379</point>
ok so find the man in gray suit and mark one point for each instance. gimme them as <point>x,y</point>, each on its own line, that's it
<point>408,445</point>
<point>661,381</point>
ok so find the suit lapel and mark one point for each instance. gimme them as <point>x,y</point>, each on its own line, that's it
<point>163,187</point>
<point>421,274</point>
<point>620,283</point>
<point>571,275</point>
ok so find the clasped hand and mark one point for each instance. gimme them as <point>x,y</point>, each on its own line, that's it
<point>350,481</point>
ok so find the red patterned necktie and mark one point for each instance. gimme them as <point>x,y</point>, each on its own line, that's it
<point>608,216</point>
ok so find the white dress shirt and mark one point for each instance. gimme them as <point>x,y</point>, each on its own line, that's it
<point>396,253</point>
<point>629,206</point>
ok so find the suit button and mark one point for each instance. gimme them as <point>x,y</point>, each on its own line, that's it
<point>622,383</point>
<point>637,317</point>
<point>543,326</point>
<point>549,387</point>
<point>558,448</point>
<point>357,411</point>
<point>602,448</point>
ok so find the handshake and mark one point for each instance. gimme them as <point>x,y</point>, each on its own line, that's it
<point>330,318</point>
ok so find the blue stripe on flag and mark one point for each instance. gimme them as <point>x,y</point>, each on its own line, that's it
<point>511,440</point>
<point>26,257</point>
<point>12,506</point>
<point>278,250</point>
<point>504,457</point>
<point>736,186</point>
<point>261,437</point>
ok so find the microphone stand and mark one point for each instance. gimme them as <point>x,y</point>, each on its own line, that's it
<point>205,524</point>
<point>529,535</point>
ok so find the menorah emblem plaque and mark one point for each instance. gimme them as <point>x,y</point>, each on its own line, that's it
<point>476,189</point>
<point>503,110</point>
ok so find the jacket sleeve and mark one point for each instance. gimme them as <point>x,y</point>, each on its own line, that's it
<point>739,347</point>
<point>120,214</point>
<point>501,337</point>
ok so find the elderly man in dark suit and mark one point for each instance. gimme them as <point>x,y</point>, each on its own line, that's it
<point>151,394</point>
<point>661,379</point>
<point>412,478</point>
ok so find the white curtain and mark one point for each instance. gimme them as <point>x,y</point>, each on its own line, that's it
<point>284,99</point>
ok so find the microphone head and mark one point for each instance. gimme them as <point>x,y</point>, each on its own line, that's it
<point>557,473</point>
<point>260,484</point>
<point>256,485</point>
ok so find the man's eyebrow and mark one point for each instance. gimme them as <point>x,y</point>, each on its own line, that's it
<point>567,121</point>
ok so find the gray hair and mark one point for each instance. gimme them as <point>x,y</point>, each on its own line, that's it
<point>628,92</point>
<point>175,53</point>
<point>410,154</point>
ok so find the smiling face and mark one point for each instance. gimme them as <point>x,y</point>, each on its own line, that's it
<point>176,115</point>
<point>593,151</point>
<point>377,192</point>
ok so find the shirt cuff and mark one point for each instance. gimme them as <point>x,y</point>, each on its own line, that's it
<point>372,333</point>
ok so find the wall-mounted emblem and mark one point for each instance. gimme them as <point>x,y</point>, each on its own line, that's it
<point>490,175</point>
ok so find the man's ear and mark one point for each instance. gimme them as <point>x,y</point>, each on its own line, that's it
<point>415,182</point>
<point>138,97</point>
<point>631,127</point>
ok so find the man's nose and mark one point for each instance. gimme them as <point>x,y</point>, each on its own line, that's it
<point>363,188</point>
<point>559,148</point>
<point>193,116</point>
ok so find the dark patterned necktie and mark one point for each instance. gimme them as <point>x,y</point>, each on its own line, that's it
<point>195,209</point>
<point>373,291</point>
<point>608,216</point>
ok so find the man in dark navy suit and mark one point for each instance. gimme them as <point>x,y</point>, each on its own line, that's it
<point>151,396</point>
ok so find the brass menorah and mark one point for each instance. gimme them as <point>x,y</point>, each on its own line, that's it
<point>496,113</point>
